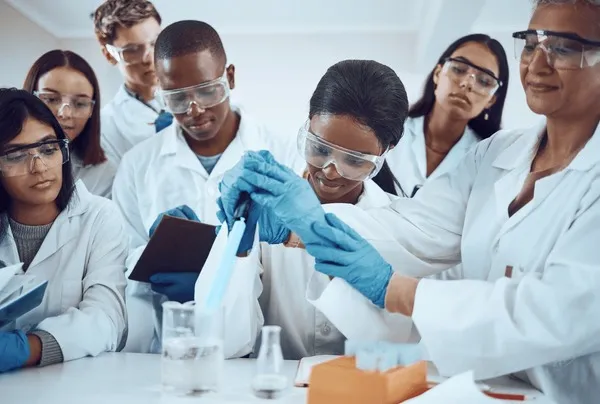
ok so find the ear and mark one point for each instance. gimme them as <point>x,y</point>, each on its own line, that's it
<point>108,56</point>
<point>491,103</point>
<point>436,74</point>
<point>231,76</point>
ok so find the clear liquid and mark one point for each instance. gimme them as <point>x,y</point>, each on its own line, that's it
<point>269,386</point>
<point>190,365</point>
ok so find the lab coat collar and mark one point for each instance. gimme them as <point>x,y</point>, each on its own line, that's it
<point>63,230</point>
<point>523,149</point>
<point>174,143</point>
<point>373,196</point>
<point>122,96</point>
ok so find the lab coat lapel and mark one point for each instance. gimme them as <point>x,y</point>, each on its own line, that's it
<point>455,155</point>
<point>64,229</point>
<point>184,156</point>
<point>8,248</point>
<point>418,148</point>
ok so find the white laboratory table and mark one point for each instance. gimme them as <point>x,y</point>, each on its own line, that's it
<point>126,378</point>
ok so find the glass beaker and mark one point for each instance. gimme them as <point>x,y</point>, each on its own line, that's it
<point>270,381</point>
<point>192,348</point>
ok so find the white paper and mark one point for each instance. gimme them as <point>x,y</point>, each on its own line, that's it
<point>305,366</point>
<point>460,389</point>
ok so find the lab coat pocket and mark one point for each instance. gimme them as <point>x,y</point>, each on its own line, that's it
<point>71,294</point>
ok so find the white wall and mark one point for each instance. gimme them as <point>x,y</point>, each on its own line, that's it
<point>21,43</point>
<point>276,74</point>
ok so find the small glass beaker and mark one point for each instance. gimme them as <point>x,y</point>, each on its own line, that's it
<point>192,349</point>
<point>270,381</point>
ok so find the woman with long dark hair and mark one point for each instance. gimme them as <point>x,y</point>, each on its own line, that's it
<point>68,86</point>
<point>461,104</point>
<point>60,233</point>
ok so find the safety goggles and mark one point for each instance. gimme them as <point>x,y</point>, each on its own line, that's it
<point>132,54</point>
<point>483,81</point>
<point>204,95</point>
<point>21,160</point>
<point>564,51</point>
<point>350,164</point>
<point>62,105</point>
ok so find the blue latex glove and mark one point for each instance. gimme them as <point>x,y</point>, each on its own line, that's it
<point>14,350</point>
<point>271,229</point>
<point>183,212</point>
<point>178,287</point>
<point>164,120</point>
<point>283,195</point>
<point>342,253</point>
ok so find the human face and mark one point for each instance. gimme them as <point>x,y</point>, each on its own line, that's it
<point>458,97</point>
<point>69,94</point>
<point>562,93</point>
<point>142,35</point>
<point>201,124</point>
<point>42,184</point>
<point>346,132</point>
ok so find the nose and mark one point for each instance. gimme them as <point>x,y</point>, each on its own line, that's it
<point>467,81</point>
<point>194,109</point>
<point>148,55</point>
<point>37,165</point>
<point>540,60</point>
<point>65,112</point>
<point>330,171</point>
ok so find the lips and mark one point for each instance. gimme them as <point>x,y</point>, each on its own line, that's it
<point>540,87</point>
<point>461,97</point>
<point>327,184</point>
<point>42,184</point>
<point>200,124</point>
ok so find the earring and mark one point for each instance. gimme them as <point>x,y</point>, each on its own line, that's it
<point>486,116</point>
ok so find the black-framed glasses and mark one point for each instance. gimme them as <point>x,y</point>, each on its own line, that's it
<point>563,50</point>
<point>21,160</point>
<point>484,81</point>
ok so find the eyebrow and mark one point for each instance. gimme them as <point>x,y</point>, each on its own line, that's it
<point>51,90</point>
<point>483,69</point>
<point>48,137</point>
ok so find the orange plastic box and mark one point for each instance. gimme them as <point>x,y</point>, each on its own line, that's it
<point>339,381</point>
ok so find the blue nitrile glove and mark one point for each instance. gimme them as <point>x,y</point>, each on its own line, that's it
<point>178,287</point>
<point>164,120</point>
<point>14,350</point>
<point>183,212</point>
<point>342,253</point>
<point>283,195</point>
<point>271,230</point>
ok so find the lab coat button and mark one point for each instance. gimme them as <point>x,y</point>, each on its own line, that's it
<point>325,330</point>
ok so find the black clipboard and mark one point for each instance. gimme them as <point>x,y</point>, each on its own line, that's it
<point>177,245</point>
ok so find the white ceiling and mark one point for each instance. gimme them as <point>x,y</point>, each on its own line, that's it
<point>71,18</point>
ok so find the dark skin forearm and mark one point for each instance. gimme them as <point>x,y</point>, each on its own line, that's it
<point>35,349</point>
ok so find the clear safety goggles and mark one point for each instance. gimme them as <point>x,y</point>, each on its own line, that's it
<point>564,51</point>
<point>483,82</point>
<point>63,105</point>
<point>21,160</point>
<point>132,54</point>
<point>349,164</point>
<point>204,95</point>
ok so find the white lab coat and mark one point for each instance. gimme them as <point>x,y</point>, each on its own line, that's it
<point>125,122</point>
<point>542,321</point>
<point>83,260</point>
<point>98,179</point>
<point>163,173</point>
<point>286,273</point>
<point>408,160</point>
